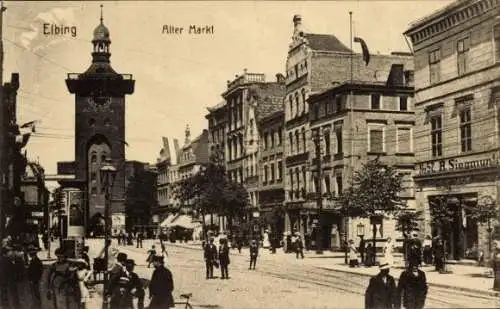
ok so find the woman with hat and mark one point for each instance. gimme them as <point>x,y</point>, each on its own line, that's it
<point>353,254</point>
<point>83,275</point>
<point>60,283</point>
<point>161,286</point>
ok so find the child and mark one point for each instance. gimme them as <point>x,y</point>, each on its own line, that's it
<point>151,254</point>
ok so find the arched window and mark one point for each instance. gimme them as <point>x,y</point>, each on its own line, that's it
<point>290,99</point>
<point>296,103</point>
<point>103,158</point>
<point>303,92</point>
<point>297,141</point>
<point>304,138</point>
<point>290,137</point>
<point>93,157</point>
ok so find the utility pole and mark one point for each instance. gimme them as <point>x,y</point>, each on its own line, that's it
<point>319,201</point>
<point>3,134</point>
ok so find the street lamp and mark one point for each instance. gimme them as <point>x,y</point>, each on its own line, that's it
<point>361,230</point>
<point>108,174</point>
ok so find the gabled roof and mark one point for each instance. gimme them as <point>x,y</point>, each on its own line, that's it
<point>326,42</point>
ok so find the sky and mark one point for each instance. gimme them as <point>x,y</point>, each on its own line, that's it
<point>177,76</point>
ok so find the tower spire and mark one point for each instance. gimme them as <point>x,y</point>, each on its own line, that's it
<point>101,14</point>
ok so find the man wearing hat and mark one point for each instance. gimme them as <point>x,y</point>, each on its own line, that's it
<point>412,288</point>
<point>35,271</point>
<point>210,255</point>
<point>254,252</point>
<point>381,292</point>
<point>136,289</point>
<point>161,286</point>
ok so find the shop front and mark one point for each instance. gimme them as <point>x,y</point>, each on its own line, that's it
<point>450,192</point>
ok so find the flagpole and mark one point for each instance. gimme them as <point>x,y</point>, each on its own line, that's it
<point>351,103</point>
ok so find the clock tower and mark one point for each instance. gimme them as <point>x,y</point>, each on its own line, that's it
<point>100,130</point>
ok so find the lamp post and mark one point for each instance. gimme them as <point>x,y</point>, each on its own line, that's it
<point>107,176</point>
<point>319,200</point>
<point>360,230</point>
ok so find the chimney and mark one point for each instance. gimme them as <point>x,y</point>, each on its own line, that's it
<point>177,150</point>
<point>409,77</point>
<point>280,78</point>
<point>297,25</point>
<point>188,136</point>
<point>166,148</point>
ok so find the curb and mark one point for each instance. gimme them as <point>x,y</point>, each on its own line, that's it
<point>438,285</point>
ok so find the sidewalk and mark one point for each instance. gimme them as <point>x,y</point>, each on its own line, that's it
<point>466,278</point>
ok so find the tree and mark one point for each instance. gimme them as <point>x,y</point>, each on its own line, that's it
<point>213,191</point>
<point>374,192</point>
<point>407,221</point>
<point>140,196</point>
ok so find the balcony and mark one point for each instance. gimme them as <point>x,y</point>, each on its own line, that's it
<point>246,78</point>
<point>297,158</point>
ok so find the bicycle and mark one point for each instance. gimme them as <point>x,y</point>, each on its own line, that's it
<point>186,296</point>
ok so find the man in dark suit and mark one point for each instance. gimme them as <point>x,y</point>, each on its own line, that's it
<point>161,286</point>
<point>224,258</point>
<point>412,288</point>
<point>381,292</point>
<point>210,255</point>
<point>254,252</point>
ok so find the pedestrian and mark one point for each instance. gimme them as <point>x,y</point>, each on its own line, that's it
<point>239,241</point>
<point>389,251</point>
<point>151,254</point>
<point>427,250</point>
<point>412,288</point>
<point>35,271</point>
<point>83,274</point>
<point>136,289</point>
<point>381,292</point>
<point>61,286</point>
<point>121,258</point>
<point>163,247</point>
<point>414,250</point>
<point>85,256</point>
<point>362,248</point>
<point>369,255</point>
<point>439,255</point>
<point>210,256</point>
<point>140,237</point>
<point>353,254</point>
<point>299,247</point>
<point>224,258</point>
<point>119,292</point>
<point>161,286</point>
<point>9,279</point>
<point>254,253</point>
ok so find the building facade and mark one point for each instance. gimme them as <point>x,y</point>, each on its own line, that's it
<point>315,62</point>
<point>247,97</point>
<point>352,123</point>
<point>457,70</point>
<point>35,195</point>
<point>271,190</point>
<point>217,127</point>
<point>99,127</point>
<point>163,162</point>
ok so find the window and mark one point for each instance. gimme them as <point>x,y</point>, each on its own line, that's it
<point>304,141</point>
<point>303,91</point>
<point>404,140</point>
<point>434,66</point>
<point>290,137</point>
<point>280,131</point>
<point>290,100</point>
<point>93,176</point>
<point>93,191</point>
<point>330,108</point>
<point>273,172</point>
<point>338,103</point>
<point>103,158</point>
<point>338,136</point>
<point>316,110</point>
<point>437,136</point>
<point>376,140</point>
<point>465,129</point>
<point>297,104</point>
<point>327,184</point>
<point>291,180</point>
<point>462,55</point>
<point>403,103</point>
<point>338,180</point>
<point>265,140</point>
<point>93,158</point>
<point>280,170</point>
<point>272,139</point>
<point>327,142</point>
<point>375,101</point>
<point>496,36</point>
<point>297,142</point>
<point>265,173</point>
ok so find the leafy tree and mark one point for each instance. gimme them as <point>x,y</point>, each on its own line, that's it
<point>140,196</point>
<point>407,221</point>
<point>375,187</point>
<point>212,191</point>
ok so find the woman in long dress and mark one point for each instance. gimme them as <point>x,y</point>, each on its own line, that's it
<point>353,254</point>
<point>389,251</point>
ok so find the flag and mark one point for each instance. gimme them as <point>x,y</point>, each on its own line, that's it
<point>366,52</point>
<point>30,125</point>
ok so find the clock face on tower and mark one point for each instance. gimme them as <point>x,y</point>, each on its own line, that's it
<point>99,103</point>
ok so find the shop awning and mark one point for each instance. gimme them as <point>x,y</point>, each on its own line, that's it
<point>167,221</point>
<point>183,221</point>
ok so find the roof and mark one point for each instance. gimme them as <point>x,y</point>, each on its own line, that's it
<point>269,106</point>
<point>438,13</point>
<point>326,42</point>
<point>217,106</point>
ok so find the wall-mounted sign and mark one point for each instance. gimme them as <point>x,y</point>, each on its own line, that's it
<point>450,165</point>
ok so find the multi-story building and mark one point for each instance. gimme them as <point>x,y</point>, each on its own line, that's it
<point>162,166</point>
<point>457,70</point>
<point>246,97</point>
<point>352,123</point>
<point>35,195</point>
<point>191,157</point>
<point>217,125</point>
<point>314,63</point>
<point>271,191</point>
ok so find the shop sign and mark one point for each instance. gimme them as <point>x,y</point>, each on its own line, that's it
<point>450,165</point>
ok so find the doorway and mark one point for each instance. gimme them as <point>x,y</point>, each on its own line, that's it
<point>450,218</point>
